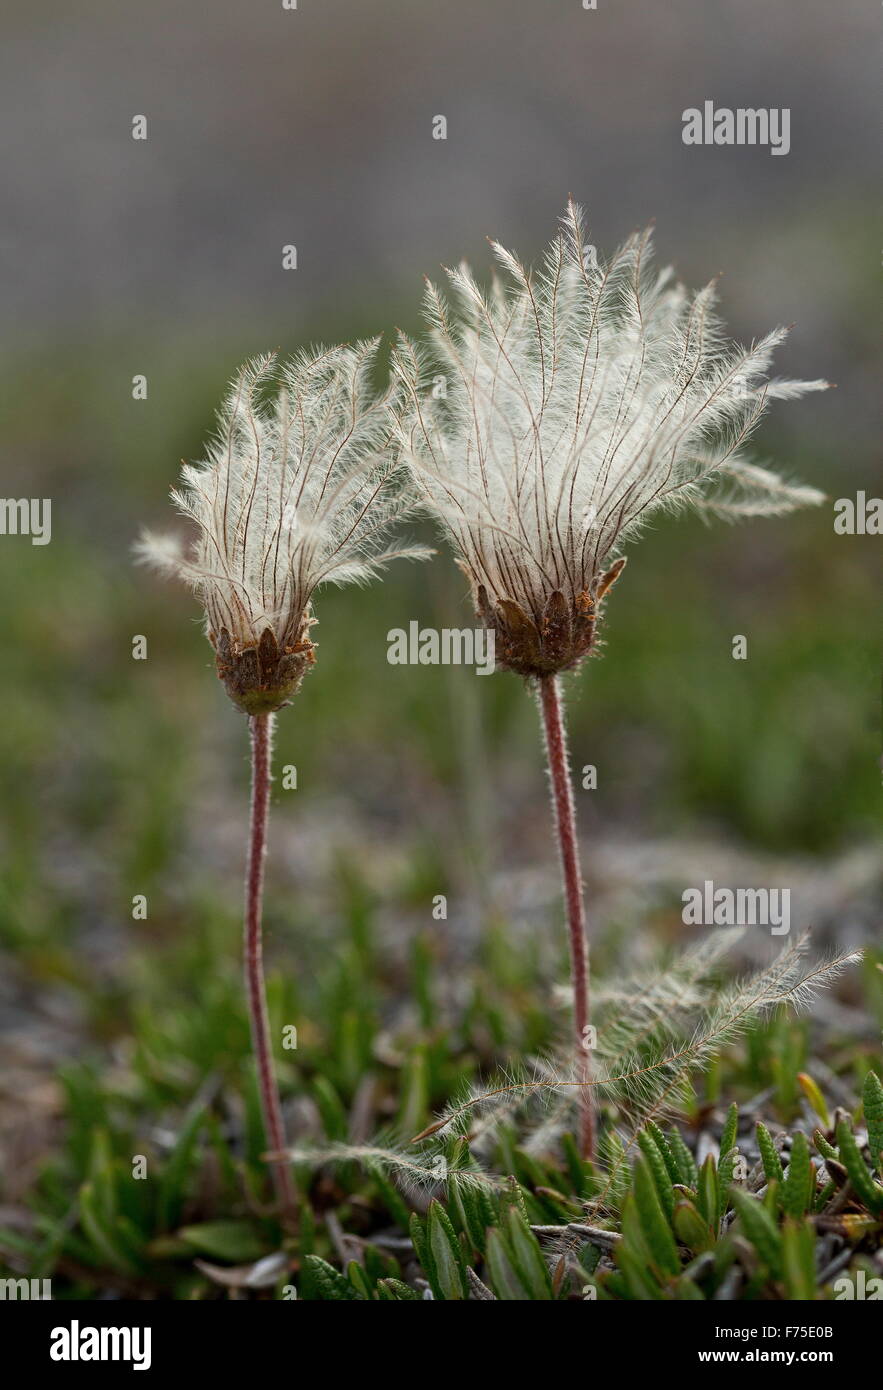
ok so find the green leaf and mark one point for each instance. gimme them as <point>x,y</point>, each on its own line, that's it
<point>448,1279</point>
<point>501,1270</point>
<point>469,1198</point>
<point>725,1170</point>
<point>359,1279</point>
<point>730,1130</point>
<point>527,1257</point>
<point>654,1224</point>
<point>394,1291</point>
<point>236,1241</point>
<point>687,1291</point>
<point>825,1149</point>
<point>798,1258</point>
<point>688,1173</point>
<point>331,1109</point>
<point>872,1098</point>
<point>759,1228</point>
<point>101,1177</point>
<point>708,1193</point>
<point>661,1177</point>
<point>105,1237</point>
<point>11,1240</point>
<point>632,1255</point>
<point>618,1181</point>
<point>772,1164</point>
<point>514,1193</point>
<point>799,1186</point>
<point>173,1178</point>
<point>328,1284</point>
<point>861,1180</point>
<point>414,1089</point>
<point>664,1147</point>
<point>417,1231</point>
<point>691,1228</point>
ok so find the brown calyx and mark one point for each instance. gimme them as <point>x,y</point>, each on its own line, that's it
<point>260,679</point>
<point>557,640</point>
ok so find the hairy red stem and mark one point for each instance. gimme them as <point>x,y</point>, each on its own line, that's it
<point>261,730</point>
<point>565,824</point>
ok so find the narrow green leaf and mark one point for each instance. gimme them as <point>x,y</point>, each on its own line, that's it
<point>502,1273</point>
<point>176,1170</point>
<point>331,1109</point>
<point>708,1193</point>
<point>654,1223</point>
<point>725,1170</point>
<point>449,1280</point>
<point>691,1228</point>
<point>470,1200</point>
<point>730,1130</point>
<point>798,1259</point>
<point>872,1098</point>
<point>417,1232</point>
<point>528,1257</point>
<point>632,1255</point>
<point>105,1238</point>
<point>688,1173</point>
<point>235,1241</point>
<point>661,1177</point>
<point>759,1228</point>
<point>772,1164</point>
<point>358,1277</point>
<point>514,1193</point>
<point>329,1285</point>
<point>665,1149</point>
<point>861,1180</point>
<point>825,1149</point>
<point>394,1291</point>
<point>687,1291</point>
<point>799,1185</point>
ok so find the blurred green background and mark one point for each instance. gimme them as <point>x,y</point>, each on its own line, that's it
<point>123,777</point>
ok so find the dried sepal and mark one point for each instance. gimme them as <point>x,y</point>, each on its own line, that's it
<point>260,680</point>
<point>556,640</point>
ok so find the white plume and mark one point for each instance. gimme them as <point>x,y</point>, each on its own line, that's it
<point>577,400</point>
<point>298,489</point>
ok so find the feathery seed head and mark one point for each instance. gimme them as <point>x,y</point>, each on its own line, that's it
<point>566,407</point>
<point>298,488</point>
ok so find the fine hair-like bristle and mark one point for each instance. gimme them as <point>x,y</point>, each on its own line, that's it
<point>553,414</point>
<point>299,488</point>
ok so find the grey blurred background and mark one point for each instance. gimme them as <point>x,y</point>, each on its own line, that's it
<point>313,127</point>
